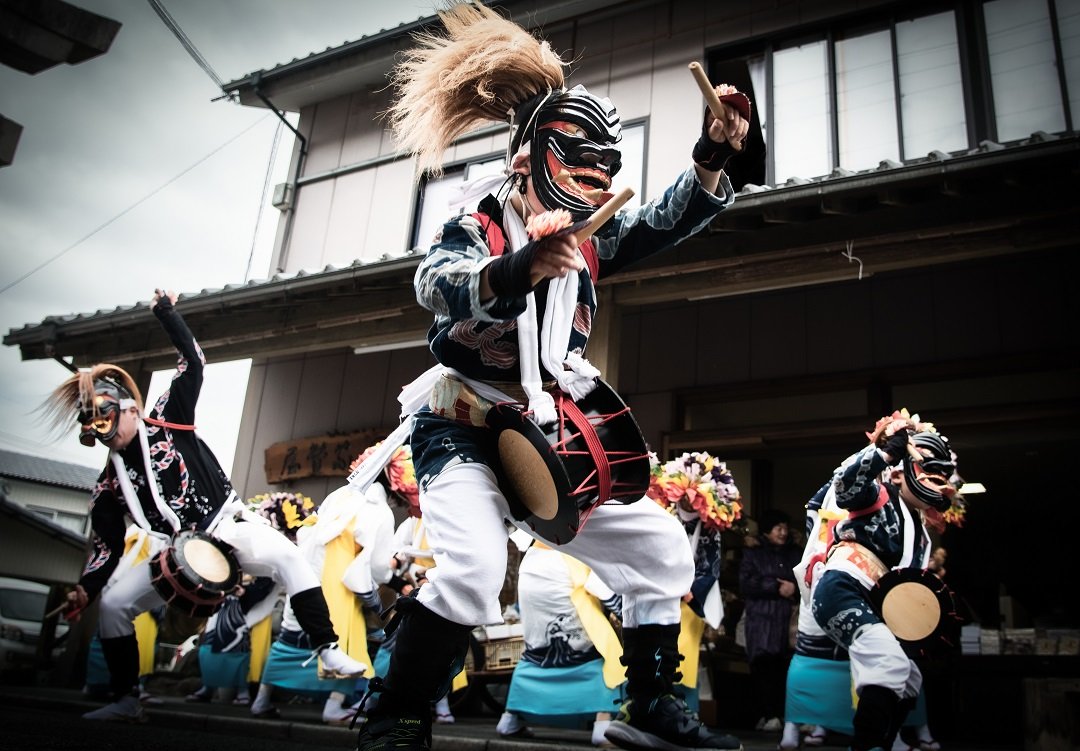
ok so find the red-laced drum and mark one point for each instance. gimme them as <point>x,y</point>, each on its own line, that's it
<point>918,607</point>
<point>195,573</point>
<point>554,475</point>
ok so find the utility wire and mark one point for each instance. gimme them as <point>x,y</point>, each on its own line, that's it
<point>142,200</point>
<point>262,198</point>
<point>187,44</point>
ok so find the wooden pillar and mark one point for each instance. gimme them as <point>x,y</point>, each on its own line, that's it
<point>603,351</point>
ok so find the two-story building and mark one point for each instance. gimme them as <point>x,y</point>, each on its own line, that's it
<point>906,246</point>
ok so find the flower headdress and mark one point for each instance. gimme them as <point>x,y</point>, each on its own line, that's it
<point>902,419</point>
<point>704,483</point>
<point>285,511</point>
<point>399,474</point>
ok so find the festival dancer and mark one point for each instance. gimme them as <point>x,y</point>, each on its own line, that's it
<point>887,489</point>
<point>507,325</point>
<point>163,476</point>
<point>346,542</point>
<point>700,492</point>
<point>819,678</point>
<point>571,663</point>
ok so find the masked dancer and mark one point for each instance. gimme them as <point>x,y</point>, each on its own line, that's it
<point>887,489</point>
<point>162,475</point>
<point>512,318</point>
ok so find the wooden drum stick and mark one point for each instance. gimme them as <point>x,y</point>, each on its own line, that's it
<point>605,212</point>
<point>587,227</point>
<point>711,98</point>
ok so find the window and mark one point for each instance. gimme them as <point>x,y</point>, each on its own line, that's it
<point>800,112</point>
<point>77,523</point>
<point>866,101</point>
<point>928,62</point>
<point>1023,73</point>
<point>439,197</point>
<point>899,88</point>
<point>1068,18</point>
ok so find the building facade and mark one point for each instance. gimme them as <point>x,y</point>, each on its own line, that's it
<point>906,246</point>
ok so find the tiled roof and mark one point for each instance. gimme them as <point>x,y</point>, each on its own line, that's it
<point>344,48</point>
<point>47,471</point>
<point>753,197</point>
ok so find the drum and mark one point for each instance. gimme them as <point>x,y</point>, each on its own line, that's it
<point>554,475</point>
<point>194,573</point>
<point>918,607</point>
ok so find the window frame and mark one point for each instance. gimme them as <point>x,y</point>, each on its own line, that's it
<point>462,166</point>
<point>974,67</point>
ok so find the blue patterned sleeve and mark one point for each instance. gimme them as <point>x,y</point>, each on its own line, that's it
<point>684,209</point>
<point>856,480</point>
<point>447,281</point>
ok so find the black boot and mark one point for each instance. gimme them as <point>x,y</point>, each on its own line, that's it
<point>428,652</point>
<point>314,618</point>
<point>903,707</point>
<point>653,717</point>
<point>874,717</point>
<point>122,658</point>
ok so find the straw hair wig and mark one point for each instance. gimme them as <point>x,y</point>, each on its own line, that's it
<point>63,405</point>
<point>478,72</point>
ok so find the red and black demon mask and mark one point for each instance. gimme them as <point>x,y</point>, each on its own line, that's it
<point>574,154</point>
<point>101,419</point>
<point>929,480</point>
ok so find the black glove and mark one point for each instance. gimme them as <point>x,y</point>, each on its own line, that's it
<point>510,275</point>
<point>397,583</point>
<point>896,446</point>
<point>707,152</point>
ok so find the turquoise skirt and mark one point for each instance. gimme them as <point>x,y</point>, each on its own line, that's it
<point>574,690</point>
<point>819,693</point>
<point>285,669</point>
<point>223,669</point>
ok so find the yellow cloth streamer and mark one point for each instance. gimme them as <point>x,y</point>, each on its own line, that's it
<point>421,541</point>
<point>137,550</point>
<point>261,634</point>
<point>461,680</point>
<point>146,631</point>
<point>596,624</point>
<point>346,613</point>
<point>693,626</point>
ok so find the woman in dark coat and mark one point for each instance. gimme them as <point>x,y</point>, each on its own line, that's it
<point>769,591</point>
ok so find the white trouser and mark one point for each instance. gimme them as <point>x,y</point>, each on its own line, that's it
<point>259,548</point>
<point>639,550</point>
<point>877,659</point>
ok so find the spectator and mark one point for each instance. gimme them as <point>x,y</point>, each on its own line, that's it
<point>768,588</point>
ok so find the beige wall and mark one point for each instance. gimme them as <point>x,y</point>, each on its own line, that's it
<point>313,395</point>
<point>638,57</point>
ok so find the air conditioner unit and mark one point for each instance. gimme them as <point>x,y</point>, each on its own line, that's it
<point>283,196</point>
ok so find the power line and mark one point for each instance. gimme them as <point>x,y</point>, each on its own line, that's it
<point>142,200</point>
<point>187,44</point>
<point>262,198</point>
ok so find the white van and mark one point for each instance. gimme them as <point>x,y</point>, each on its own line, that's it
<point>22,608</point>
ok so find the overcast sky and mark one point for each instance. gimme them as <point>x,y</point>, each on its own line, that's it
<point>133,140</point>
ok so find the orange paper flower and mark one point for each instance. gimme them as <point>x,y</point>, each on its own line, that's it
<point>548,223</point>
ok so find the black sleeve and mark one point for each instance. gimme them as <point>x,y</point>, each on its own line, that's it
<point>107,539</point>
<point>187,383</point>
<point>256,592</point>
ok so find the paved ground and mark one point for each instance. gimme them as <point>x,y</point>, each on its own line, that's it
<point>47,718</point>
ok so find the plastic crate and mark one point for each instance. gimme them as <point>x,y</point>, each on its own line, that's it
<point>503,654</point>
